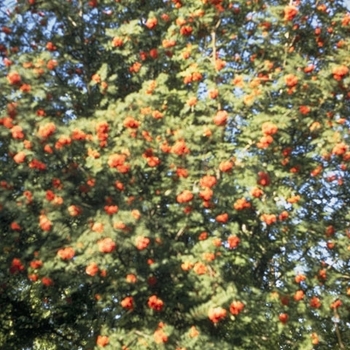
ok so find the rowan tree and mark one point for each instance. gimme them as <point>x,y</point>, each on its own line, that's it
<point>174,174</point>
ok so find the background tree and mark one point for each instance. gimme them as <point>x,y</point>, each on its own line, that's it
<point>174,175</point>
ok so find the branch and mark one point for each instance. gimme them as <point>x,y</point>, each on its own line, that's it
<point>180,233</point>
<point>213,36</point>
<point>142,334</point>
<point>341,344</point>
<point>213,40</point>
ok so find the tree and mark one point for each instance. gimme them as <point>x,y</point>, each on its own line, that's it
<point>174,174</point>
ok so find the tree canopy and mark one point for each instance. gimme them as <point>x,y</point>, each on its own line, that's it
<point>174,174</point>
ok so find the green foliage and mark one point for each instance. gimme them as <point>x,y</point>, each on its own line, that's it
<point>174,175</point>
